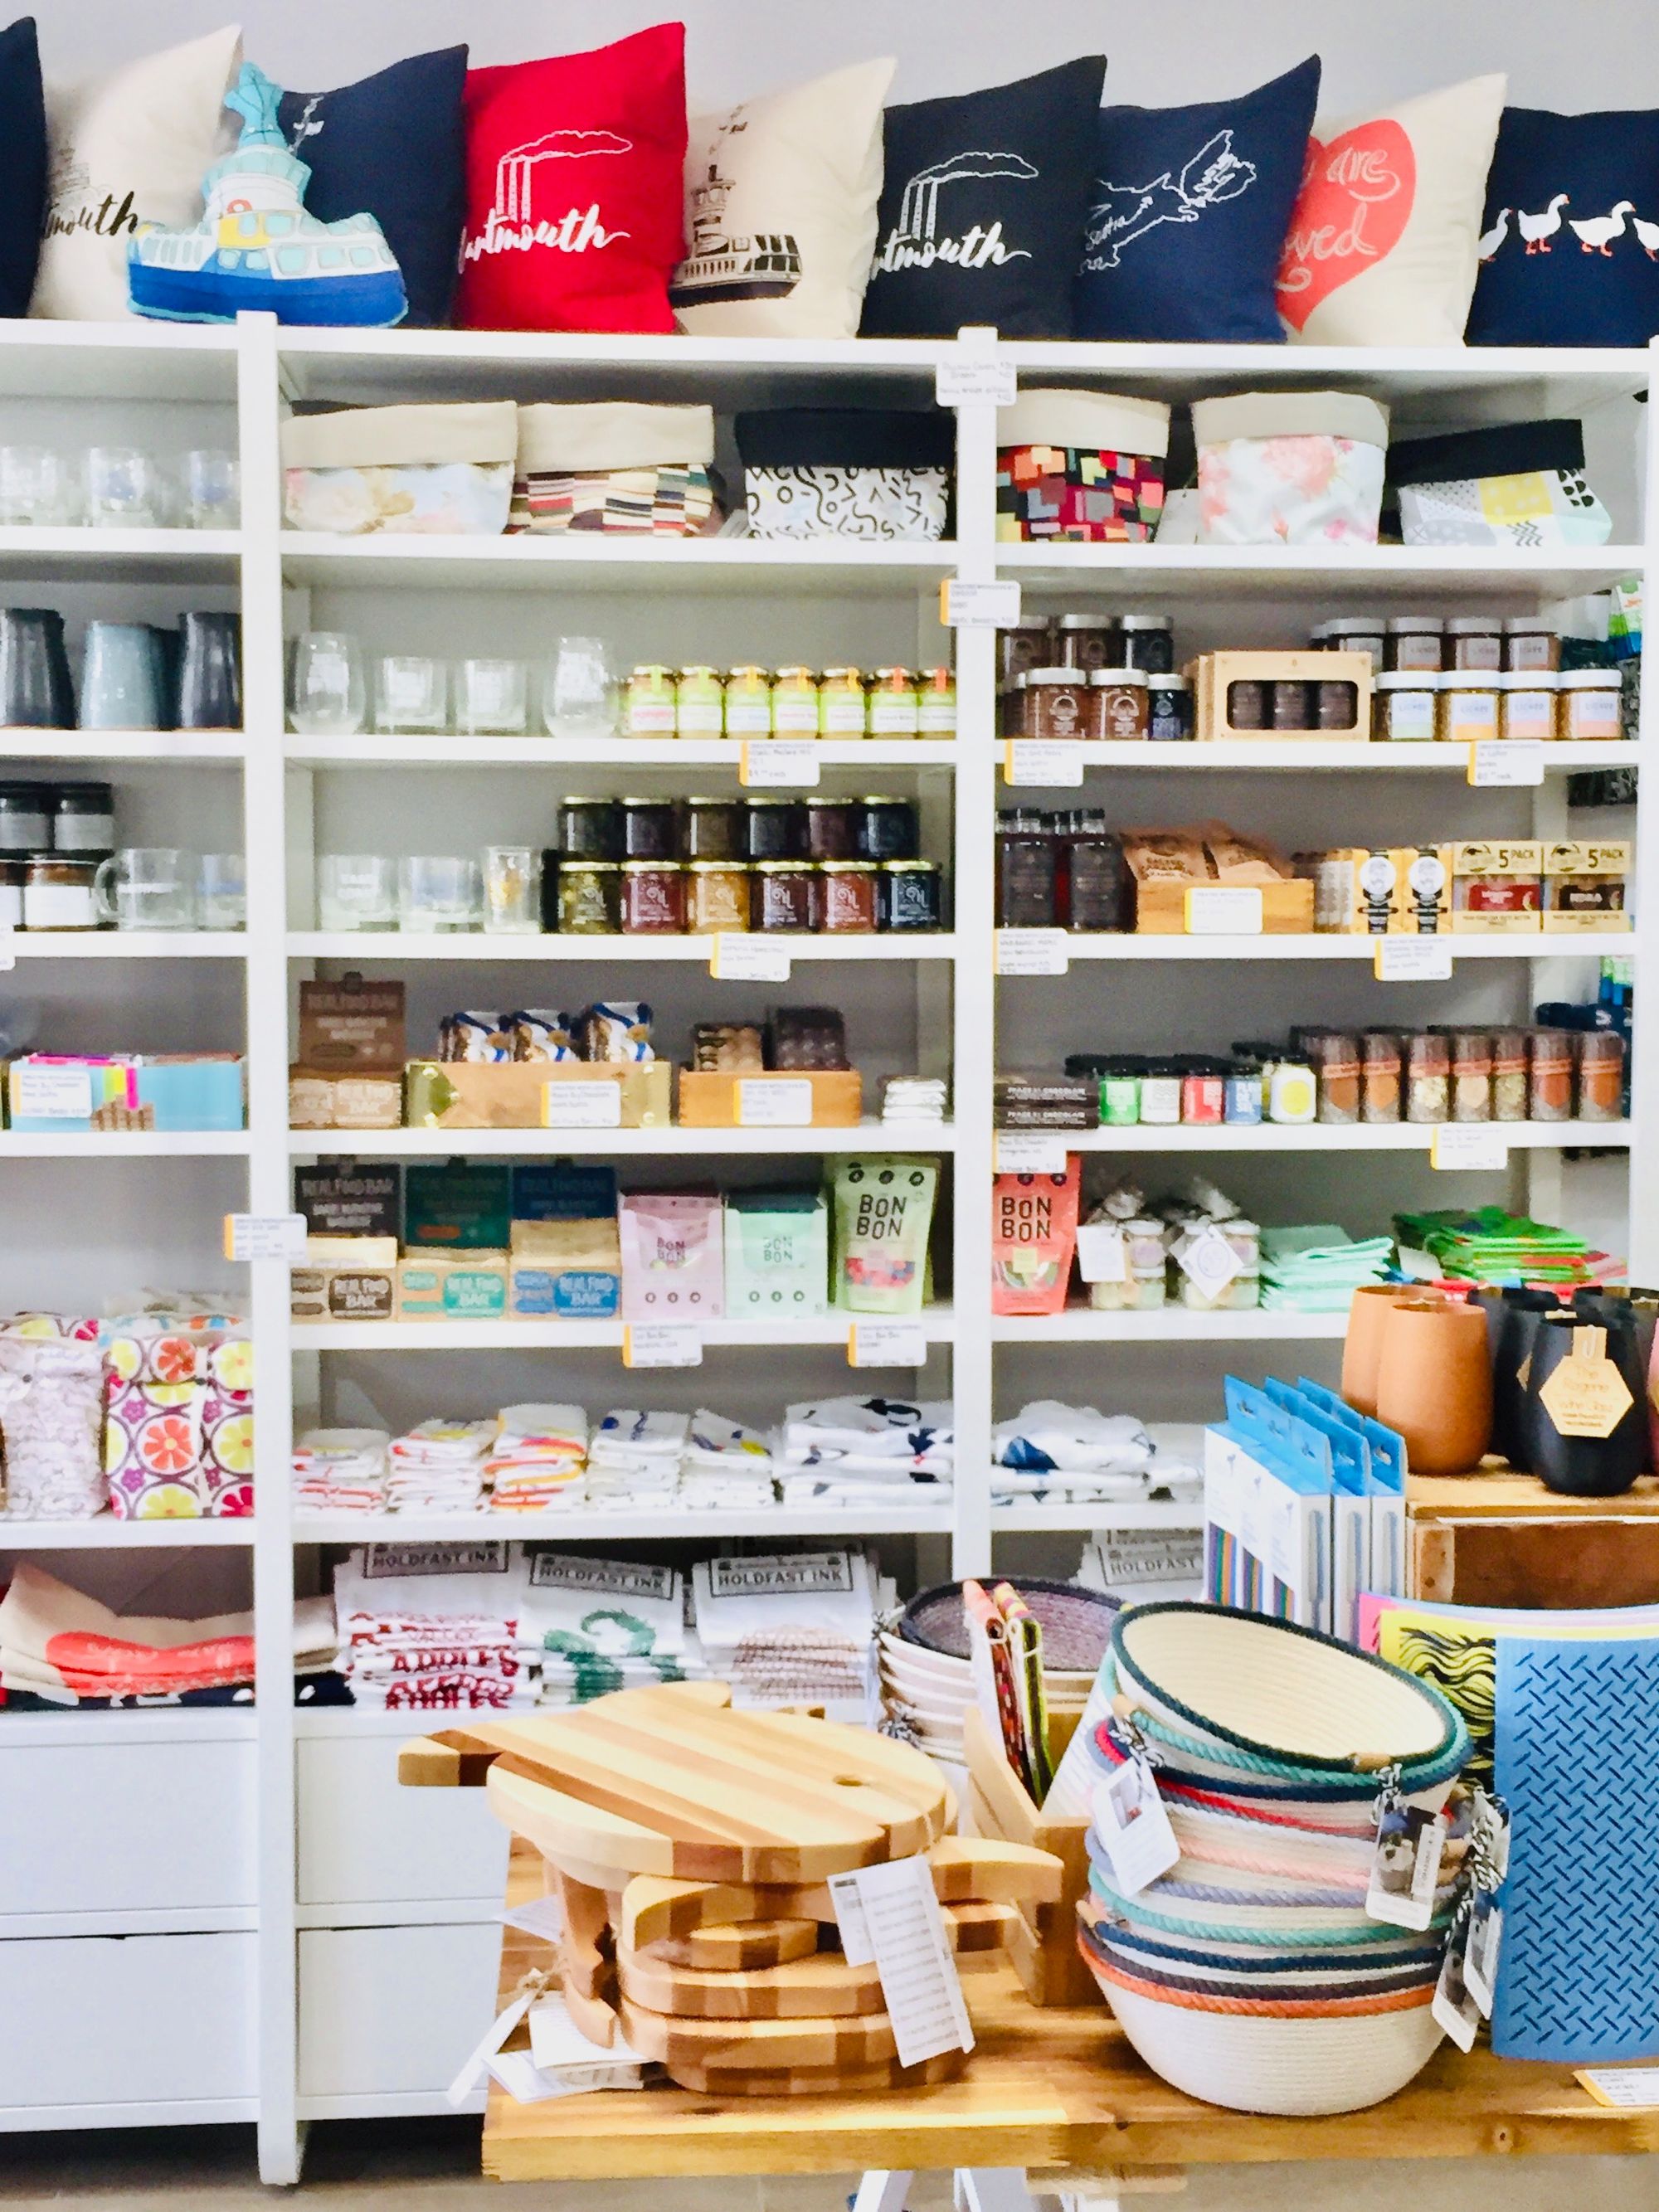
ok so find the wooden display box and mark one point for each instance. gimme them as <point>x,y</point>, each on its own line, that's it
<point>1497,1538</point>
<point>712,1099</point>
<point>1043,1946</point>
<point>1213,674</point>
<point>459,1094</point>
<point>1287,908</point>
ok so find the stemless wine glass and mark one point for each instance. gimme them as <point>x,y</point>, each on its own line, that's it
<point>411,693</point>
<point>439,892</point>
<point>222,891</point>
<point>513,890</point>
<point>37,486</point>
<point>327,696</point>
<point>579,689</point>
<point>211,489</point>
<point>492,698</point>
<point>124,488</point>
<point>356,890</point>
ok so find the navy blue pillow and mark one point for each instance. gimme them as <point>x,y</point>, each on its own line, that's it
<point>1554,179</point>
<point>393,147</point>
<point>981,208</point>
<point>22,165</point>
<point>1187,214</point>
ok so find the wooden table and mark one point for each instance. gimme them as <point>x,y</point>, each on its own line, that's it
<point>1045,2090</point>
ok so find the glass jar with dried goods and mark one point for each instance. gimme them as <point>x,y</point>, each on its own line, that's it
<point>1428,1077</point>
<point>1601,1075</point>
<point>1379,1075</point>
<point>1508,1075</point>
<point>1471,1069</point>
<point>1551,1070</point>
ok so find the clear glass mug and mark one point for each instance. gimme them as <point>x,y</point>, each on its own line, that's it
<point>211,488</point>
<point>356,890</point>
<point>579,689</point>
<point>439,892</point>
<point>124,490</point>
<point>146,887</point>
<point>37,486</point>
<point>326,694</point>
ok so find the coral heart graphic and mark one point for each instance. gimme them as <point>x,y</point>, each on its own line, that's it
<point>1355,199</point>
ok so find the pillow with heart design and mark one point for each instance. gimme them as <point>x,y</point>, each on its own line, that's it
<point>1384,238</point>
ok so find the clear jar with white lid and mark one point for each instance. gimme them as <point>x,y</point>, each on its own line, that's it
<point>1414,642</point>
<point>1592,705</point>
<point>1353,633</point>
<point>1469,706</point>
<point>1530,643</point>
<point>1473,642</point>
<point>1527,703</point>
<point>1405,705</point>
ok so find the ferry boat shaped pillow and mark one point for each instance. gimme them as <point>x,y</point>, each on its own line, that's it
<point>256,246</point>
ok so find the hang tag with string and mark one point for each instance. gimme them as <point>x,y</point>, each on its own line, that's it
<point>1130,1818</point>
<point>1406,1864</point>
<point>1489,1859</point>
<point>477,2062</point>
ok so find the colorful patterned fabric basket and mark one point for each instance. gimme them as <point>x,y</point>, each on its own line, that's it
<point>1080,465</point>
<point>179,1426</point>
<point>618,467</point>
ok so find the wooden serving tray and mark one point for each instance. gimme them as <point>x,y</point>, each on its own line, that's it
<point>810,2081</point>
<point>758,2046</point>
<point>747,1945</point>
<point>821,1987</point>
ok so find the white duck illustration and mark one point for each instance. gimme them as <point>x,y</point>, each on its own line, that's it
<point>1493,239</point>
<point>1647,236</point>
<point>1539,229</point>
<point>1597,232</point>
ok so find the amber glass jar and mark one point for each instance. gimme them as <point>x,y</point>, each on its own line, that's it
<point>781,897</point>
<point>715,830</point>
<point>590,899</point>
<point>652,898</point>
<point>716,896</point>
<point>845,898</point>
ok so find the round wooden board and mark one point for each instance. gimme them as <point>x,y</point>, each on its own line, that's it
<point>817,2082</point>
<point>740,1947</point>
<point>823,1987</point>
<point>759,2045</point>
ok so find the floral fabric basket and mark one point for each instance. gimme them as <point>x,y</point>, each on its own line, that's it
<point>1290,468</point>
<point>443,471</point>
<point>179,1426</point>
<point>618,467</point>
<point>1085,466</point>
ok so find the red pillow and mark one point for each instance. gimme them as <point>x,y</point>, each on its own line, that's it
<point>574,191</point>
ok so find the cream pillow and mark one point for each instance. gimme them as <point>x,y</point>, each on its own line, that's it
<point>126,150</point>
<point>780,197</point>
<point>1383,243</point>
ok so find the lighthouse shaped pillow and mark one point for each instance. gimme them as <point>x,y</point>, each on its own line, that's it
<point>1383,243</point>
<point>1570,245</point>
<point>574,172</point>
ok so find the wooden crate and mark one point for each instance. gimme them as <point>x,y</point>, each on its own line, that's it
<point>1212,672</point>
<point>1287,908</point>
<point>459,1094</point>
<point>1043,1945</point>
<point>710,1099</point>
<point>1501,1539</point>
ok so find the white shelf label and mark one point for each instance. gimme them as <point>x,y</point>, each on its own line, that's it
<point>886,1344</point>
<point>1047,762</point>
<point>964,604</point>
<point>774,1102</point>
<point>768,763</point>
<point>1209,1262</point>
<point>1506,762</point>
<point>1102,1254</point>
<point>1632,2088</point>
<point>1474,1145</point>
<point>1224,910</point>
<point>988,382</point>
<point>662,1344</point>
<point>52,1094</point>
<point>581,1104</point>
<point>265,1237</point>
<point>740,959</point>
<point>1413,959</point>
<point>1030,1151</point>
<point>1032,952</point>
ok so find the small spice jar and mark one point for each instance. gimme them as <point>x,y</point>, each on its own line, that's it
<point>699,703</point>
<point>1471,1070</point>
<point>1120,703</point>
<point>651,829</point>
<point>832,829</point>
<point>795,703</point>
<point>936,703</point>
<point>747,701</point>
<point>1469,708</point>
<point>590,899</point>
<point>1529,644</point>
<point>886,829</point>
<point>1414,642</point>
<point>82,819</point>
<point>893,707</point>
<point>840,703</point>
<point>1120,1090</point>
<point>57,892</point>
<point>1149,643</point>
<point>1526,704</point>
<point>1508,1075</point>
<point>776,829</point>
<point>909,895</point>
<point>1353,634</point>
<point>1025,645</point>
<point>716,896</point>
<point>13,870</point>
<point>1290,708</point>
<point>649,702</point>
<point>1027,872</point>
<point>1169,706</point>
<point>715,829</point>
<point>652,898</point>
<point>781,897</point>
<point>1292,1093</point>
<point>1244,1100</point>
<point>1203,1091</point>
<point>1428,1077</point>
<point>1473,642</point>
<point>1405,706</point>
<point>25,818</point>
<point>1336,1061</point>
<point>1249,704</point>
<point>1089,642</point>
<point>1160,1093</point>
<point>1601,1075</point>
<point>844,898</point>
<point>1591,706</point>
<point>1550,1072</point>
<point>590,830</point>
<point>1049,702</point>
<point>1379,1075</point>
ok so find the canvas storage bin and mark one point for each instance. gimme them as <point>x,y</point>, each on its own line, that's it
<point>1290,468</point>
<point>847,473</point>
<point>179,1425</point>
<point>447,470</point>
<point>1085,466</point>
<point>1519,483</point>
<point>616,466</point>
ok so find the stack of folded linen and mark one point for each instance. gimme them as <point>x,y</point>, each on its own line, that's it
<point>791,1630</point>
<point>1318,1267</point>
<point>538,1459</point>
<point>595,1625</point>
<point>438,1467</point>
<point>341,1471</point>
<point>634,1459</point>
<point>725,1467</point>
<point>434,1627</point>
<point>1052,1454</point>
<point>866,1451</point>
<point>915,1098</point>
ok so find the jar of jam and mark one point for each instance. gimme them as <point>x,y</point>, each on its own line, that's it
<point>1549,1094</point>
<point>936,703</point>
<point>1097,877</point>
<point>776,829</point>
<point>649,704</point>
<point>747,701</point>
<point>1121,704</point>
<point>1471,1090</point>
<point>57,892</point>
<point>1469,706</point>
<point>795,703</point>
<point>894,707</point>
<point>1027,872</point>
<point>652,898</point>
<point>14,870</point>
<point>1090,642</point>
<point>1428,1077</point>
<point>1405,706</point>
<point>1526,704</point>
<point>1149,643</point>
<point>1508,1075</point>
<point>1529,644</point>
<point>699,703</point>
<point>840,703</point>
<point>590,899</point>
<point>1292,707</point>
<point>1414,642</point>
<point>716,896</point>
<point>845,902</point>
<point>1169,706</point>
<point>1249,704</point>
<point>590,830</point>
<point>25,818</point>
<point>832,829</point>
<point>1601,1075</point>
<point>651,829</point>
<point>1049,702</point>
<point>888,828</point>
<point>82,819</point>
<point>781,897</point>
<point>1025,645</point>
<point>1591,704</point>
<point>909,895</point>
<point>1379,1075</point>
<point>715,829</point>
<point>1473,642</point>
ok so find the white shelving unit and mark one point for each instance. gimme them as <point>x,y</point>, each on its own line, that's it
<point>330,1908</point>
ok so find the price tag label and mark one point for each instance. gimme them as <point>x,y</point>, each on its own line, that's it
<point>773,1102</point>
<point>1030,1151</point>
<point>51,1094</point>
<point>988,382</point>
<point>886,1344</point>
<point>968,605</point>
<point>1499,763</point>
<point>662,1344</point>
<point>1413,959</point>
<point>1224,910</point>
<point>1209,1262</point>
<point>1047,762</point>
<point>769,763</point>
<point>740,959</point>
<point>264,1237</point>
<point>1476,1146</point>
<point>1102,1254</point>
<point>904,1928</point>
<point>1032,952</point>
<point>581,1104</point>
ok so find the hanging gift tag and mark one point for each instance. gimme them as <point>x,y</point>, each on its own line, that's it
<point>1476,1145</point>
<point>264,1237</point>
<point>886,1344</point>
<point>662,1344</point>
<point>1102,1254</point>
<point>773,1102</point>
<point>1485,1938</point>
<point>1586,1395</point>
<point>581,1105</point>
<point>740,959</point>
<point>1133,1826</point>
<point>1498,763</point>
<point>543,1918</point>
<point>965,604</point>
<point>1031,953</point>
<point>1224,910</point>
<point>1209,1262</point>
<point>1406,1864</point>
<point>1044,762</point>
<point>1453,2006</point>
<point>1413,959</point>
<point>771,761</point>
<point>1030,1151</point>
<point>988,381</point>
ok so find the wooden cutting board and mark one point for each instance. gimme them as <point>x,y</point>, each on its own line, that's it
<point>747,1945</point>
<point>760,2046</point>
<point>816,2081</point>
<point>821,1987</point>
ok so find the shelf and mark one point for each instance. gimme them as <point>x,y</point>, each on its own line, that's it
<point>1318,1136</point>
<point>396,945</point>
<point>1409,573</point>
<point>621,1144</point>
<point>373,750</point>
<point>1336,945</point>
<point>939,1323</point>
<point>585,561</point>
<point>126,945</point>
<point>160,747</point>
<point>1063,1520</point>
<point>592,1524</point>
<point>1165,1325</point>
<point>124,1144</point>
<point>129,360</point>
<point>73,1729</point>
<point>1362,758</point>
<point>82,555</point>
<point>104,1532</point>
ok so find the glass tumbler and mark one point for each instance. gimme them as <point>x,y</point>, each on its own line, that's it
<point>411,693</point>
<point>38,488</point>
<point>439,893</point>
<point>123,489</point>
<point>222,891</point>
<point>492,698</point>
<point>356,890</point>
<point>327,696</point>
<point>212,491</point>
<point>579,690</point>
<point>513,890</point>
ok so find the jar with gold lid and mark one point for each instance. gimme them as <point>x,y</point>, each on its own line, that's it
<point>699,703</point>
<point>781,895</point>
<point>840,703</point>
<point>894,708</point>
<point>845,898</point>
<point>649,702</point>
<point>795,703</point>
<point>716,896</point>
<point>936,707</point>
<point>590,899</point>
<point>747,701</point>
<point>652,898</point>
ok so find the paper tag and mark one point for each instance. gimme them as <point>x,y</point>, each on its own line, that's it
<point>1047,762</point>
<point>740,958</point>
<point>1453,2008</point>
<point>1505,761</point>
<point>662,1344</point>
<point>477,2061</point>
<point>1417,1267</point>
<point>1030,1151</point>
<point>886,1344</point>
<point>1405,1865</point>
<point>1486,1940</point>
<point>1133,1823</point>
<point>1413,959</point>
<point>773,1102</point>
<point>1209,1262</point>
<point>556,2042</point>
<point>1472,1144</point>
<point>1628,2088</point>
<point>988,381</point>
<point>1224,910</point>
<point>52,1094</point>
<point>856,1947</point>
<point>920,1985</point>
<point>516,2072</point>
<point>773,760</point>
<point>968,604</point>
<point>1586,1395</point>
<point>1102,1254</point>
<point>543,1917</point>
<point>265,1237</point>
<point>581,1105</point>
<point>1032,952</point>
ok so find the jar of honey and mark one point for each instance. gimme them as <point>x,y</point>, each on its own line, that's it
<point>894,707</point>
<point>795,703</point>
<point>747,701</point>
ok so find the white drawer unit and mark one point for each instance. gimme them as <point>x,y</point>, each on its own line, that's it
<point>388,2015</point>
<point>363,1840</point>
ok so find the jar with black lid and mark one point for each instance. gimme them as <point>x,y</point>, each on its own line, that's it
<point>1098,879</point>
<point>715,829</point>
<point>651,829</point>
<point>1148,642</point>
<point>1027,872</point>
<point>84,819</point>
<point>776,829</point>
<point>1169,706</point>
<point>25,810</point>
<point>590,830</point>
<point>909,895</point>
<point>832,829</point>
<point>888,828</point>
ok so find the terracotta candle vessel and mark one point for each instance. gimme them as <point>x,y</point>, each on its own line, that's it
<point>1434,1383</point>
<point>1362,1347</point>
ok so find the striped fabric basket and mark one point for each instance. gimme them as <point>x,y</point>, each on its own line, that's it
<point>616,468</point>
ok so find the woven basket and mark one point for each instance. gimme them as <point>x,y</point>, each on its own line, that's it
<point>1235,1921</point>
<point>1392,1950</point>
<point>1343,1801</point>
<point>1292,1983</point>
<point>1076,1624</point>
